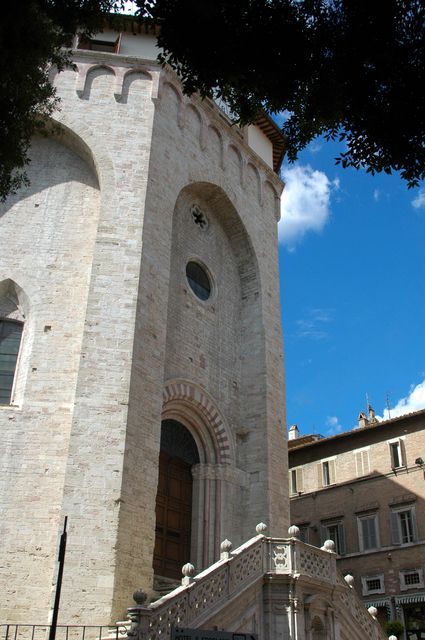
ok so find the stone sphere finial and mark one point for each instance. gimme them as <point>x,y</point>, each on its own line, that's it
<point>261,528</point>
<point>294,531</point>
<point>392,637</point>
<point>139,597</point>
<point>225,548</point>
<point>226,545</point>
<point>349,580</point>
<point>329,546</point>
<point>373,611</point>
<point>188,570</point>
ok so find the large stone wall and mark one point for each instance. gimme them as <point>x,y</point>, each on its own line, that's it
<point>99,243</point>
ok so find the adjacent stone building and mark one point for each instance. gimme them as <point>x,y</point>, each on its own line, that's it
<point>141,359</point>
<point>365,489</point>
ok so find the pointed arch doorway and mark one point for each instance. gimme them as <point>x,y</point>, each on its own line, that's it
<point>178,453</point>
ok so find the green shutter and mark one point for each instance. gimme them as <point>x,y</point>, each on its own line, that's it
<point>341,537</point>
<point>395,531</point>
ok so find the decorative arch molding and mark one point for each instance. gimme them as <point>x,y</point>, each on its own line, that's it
<point>180,395</point>
<point>165,86</point>
<point>78,137</point>
<point>88,74</point>
<point>14,303</point>
<point>128,78</point>
<point>251,169</point>
<point>268,187</point>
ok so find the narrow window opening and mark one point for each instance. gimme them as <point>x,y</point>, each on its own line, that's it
<point>395,455</point>
<point>326,474</point>
<point>10,340</point>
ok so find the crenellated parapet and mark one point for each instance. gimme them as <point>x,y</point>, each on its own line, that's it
<point>129,84</point>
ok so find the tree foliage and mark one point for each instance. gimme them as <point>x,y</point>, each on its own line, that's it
<point>351,70</point>
<point>31,37</point>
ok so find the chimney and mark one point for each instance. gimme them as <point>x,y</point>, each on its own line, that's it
<point>372,417</point>
<point>293,432</point>
<point>363,421</point>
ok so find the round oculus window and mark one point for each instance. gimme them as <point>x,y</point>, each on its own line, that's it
<point>198,280</point>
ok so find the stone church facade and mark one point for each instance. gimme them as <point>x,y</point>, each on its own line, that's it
<point>144,397</point>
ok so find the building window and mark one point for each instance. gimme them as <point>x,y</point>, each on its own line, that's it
<point>362,462</point>
<point>326,473</point>
<point>10,340</point>
<point>368,531</point>
<point>373,584</point>
<point>95,44</point>
<point>198,280</point>
<point>296,481</point>
<point>334,530</point>
<point>411,579</point>
<point>396,453</point>
<point>403,525</point>
<point>304,536</point>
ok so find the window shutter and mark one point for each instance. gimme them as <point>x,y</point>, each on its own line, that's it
<point>402,451</point>
<point>372,533</point>
<point>359,467</point>
<point>341,537</point>
<point>300,483</point>
<point>360,532</point>
<point>365,462</point>
<point>332,471</point>
<point>117,44</point>
<point>319,475</point>
<point>395,531</point>
<point>364,538</point>
<point>290,481</point>
<point>414,529</point>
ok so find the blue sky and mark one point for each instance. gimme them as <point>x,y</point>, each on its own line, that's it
<point>352,265</point>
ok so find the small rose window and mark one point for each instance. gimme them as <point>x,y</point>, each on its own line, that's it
<point>198,280</point>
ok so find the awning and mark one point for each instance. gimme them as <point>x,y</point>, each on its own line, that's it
<point>411,599</point>
<point>383,602</point>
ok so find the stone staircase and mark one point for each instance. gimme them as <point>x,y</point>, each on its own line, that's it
<point>277,588</point>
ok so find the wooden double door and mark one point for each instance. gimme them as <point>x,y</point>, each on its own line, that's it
<point>173,517</point>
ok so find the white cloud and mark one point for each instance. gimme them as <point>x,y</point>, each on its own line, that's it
<point>305,204</point>
<point>334,427</point>
<point>313,325</point>
<point>376,194</point>
<point>314,147</point>
<point>414,401</point>
<point>419,201</point>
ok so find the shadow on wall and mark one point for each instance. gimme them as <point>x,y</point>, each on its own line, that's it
<point>76,164</point>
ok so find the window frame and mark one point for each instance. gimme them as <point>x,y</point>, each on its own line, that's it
<point>362,518</point>
<point>296,481</point>
<point>327,474</point>
<point>340,544</point>
<point>405,572</point>
<point>397,442</point>
<point>397,525</point>
<point>4,321</point>
<point>360,455</point>
<point>365,589</point>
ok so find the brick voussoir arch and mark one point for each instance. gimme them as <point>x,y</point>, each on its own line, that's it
<point>189,394</point>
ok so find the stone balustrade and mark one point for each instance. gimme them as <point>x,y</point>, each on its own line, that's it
<point>262,558</point>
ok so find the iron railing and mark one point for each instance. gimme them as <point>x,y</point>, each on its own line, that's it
<point>63,632</point>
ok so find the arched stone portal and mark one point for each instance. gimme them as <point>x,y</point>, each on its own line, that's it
<point>194,433</point>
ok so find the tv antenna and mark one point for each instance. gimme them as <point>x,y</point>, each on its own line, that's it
<point>388,404</point>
